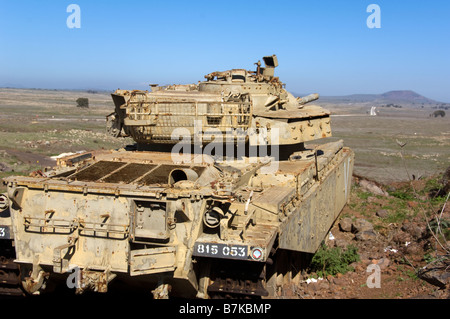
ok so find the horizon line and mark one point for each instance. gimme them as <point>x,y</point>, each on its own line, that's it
<point>17,87</point>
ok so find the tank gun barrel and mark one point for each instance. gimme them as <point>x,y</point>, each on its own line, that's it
<point>306,99</point>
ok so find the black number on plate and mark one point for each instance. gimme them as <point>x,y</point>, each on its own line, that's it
<point>221,250</point>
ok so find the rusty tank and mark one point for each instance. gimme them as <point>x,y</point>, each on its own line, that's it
<point>221,196</point>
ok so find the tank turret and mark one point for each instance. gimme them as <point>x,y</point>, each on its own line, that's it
<point>229,106</point>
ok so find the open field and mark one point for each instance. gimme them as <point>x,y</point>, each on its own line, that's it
<point>37,124</point>
<point>374,140</point>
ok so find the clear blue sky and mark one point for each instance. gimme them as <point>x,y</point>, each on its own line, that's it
<point>322,46</point>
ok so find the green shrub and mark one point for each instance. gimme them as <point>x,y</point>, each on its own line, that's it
<point>363,195</point>
<point>405,193</point>
<point>330,261</point>
<point>83,102</point>
<point>444,226</point>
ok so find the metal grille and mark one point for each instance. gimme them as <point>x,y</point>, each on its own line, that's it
<point>156,121</point>
<point>181,114</point>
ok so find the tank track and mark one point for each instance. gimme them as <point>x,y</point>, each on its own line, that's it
<point>10,282</point>
<point>256,281</point>
<point>237,281</point>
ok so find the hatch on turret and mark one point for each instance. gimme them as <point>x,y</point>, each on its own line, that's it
<point>271,63</point>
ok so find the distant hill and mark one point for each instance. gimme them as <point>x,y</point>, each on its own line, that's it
<point>406,96</point>
<point>398,97</point>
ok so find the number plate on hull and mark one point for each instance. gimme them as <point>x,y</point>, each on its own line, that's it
<point>221,251</point>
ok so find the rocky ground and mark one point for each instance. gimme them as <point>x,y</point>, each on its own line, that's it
<point>401,233</point>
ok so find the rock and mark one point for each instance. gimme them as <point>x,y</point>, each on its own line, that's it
<point>358,266</point>
<point>339,281</point>
<point>400,237</point>
<point>440,278</point>
<point>312,288</point>
<point>366,235</point>
<point>372,187</point>
<point>383,263</point>
<point>413,229</point>
<point>324,285</point>
<point>361,225</point>
<point>364,259</point>
<point>340,242</point>
<point>382,213</point>
<point>413,249</point>
<point>345,224</point>
<point>4,168</point>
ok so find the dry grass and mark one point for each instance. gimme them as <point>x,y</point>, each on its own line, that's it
<point>37,124</point>
<point>374,140</point>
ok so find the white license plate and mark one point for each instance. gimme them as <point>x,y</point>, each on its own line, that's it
<point>221,250</point>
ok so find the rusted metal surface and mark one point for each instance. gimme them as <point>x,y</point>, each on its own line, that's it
<point>203,226</point>
<point>250,101</point>
<point>308,98</point>
<point>237,280</point>
<point>153,260</point>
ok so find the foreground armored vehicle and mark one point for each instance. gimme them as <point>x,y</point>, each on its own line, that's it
<point>9,270</point>
<point>219,198</point>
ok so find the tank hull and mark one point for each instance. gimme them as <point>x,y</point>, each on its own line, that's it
<point>119,215</point>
